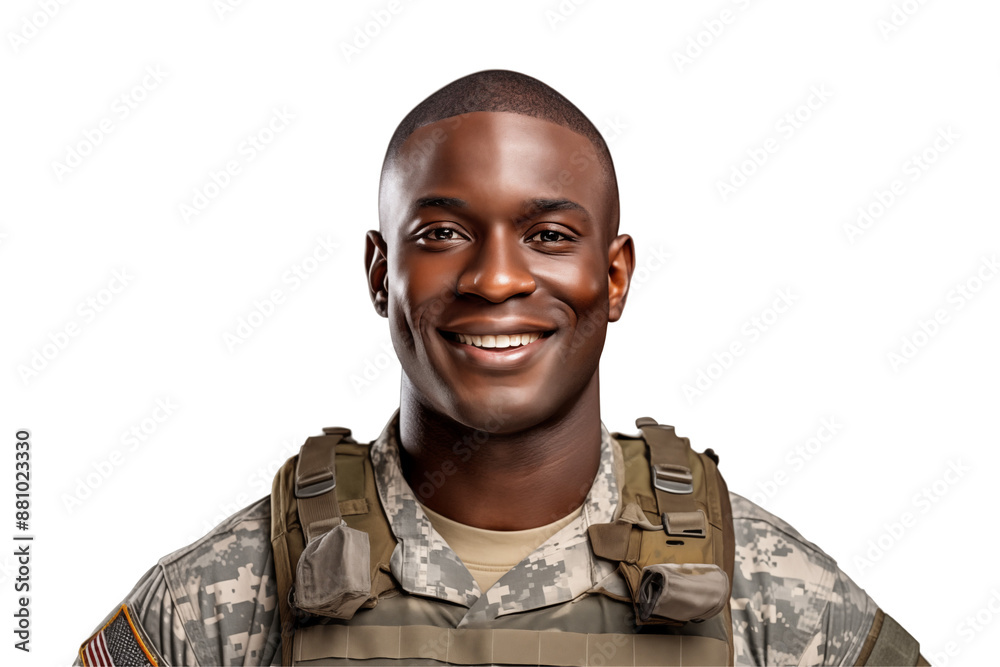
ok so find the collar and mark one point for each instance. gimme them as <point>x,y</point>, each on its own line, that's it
<point>559,570</point>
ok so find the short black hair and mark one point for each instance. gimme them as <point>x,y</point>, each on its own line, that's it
<point>513,92</point>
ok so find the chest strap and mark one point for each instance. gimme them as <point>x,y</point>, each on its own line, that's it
<point>501,646</point>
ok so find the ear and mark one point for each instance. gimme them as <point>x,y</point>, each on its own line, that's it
<point>621,264</point>
<point>377,267</point>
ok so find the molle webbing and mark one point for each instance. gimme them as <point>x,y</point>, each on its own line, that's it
<point>682,491</point>
<point>507,647</point>
<point>689,498</point>
<point>336,482</point>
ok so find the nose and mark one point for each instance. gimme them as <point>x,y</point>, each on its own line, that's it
<point>498,269</point>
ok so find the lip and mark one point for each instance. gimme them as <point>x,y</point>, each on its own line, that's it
<point>507,358</point>
<point>482,327</point>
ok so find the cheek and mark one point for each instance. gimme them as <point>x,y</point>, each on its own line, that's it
<point>578,286</point>
<point>418,299</point>
<point>584,292</point>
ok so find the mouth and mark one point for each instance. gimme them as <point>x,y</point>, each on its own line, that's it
<point>498,342</point>
<point>498,352</point>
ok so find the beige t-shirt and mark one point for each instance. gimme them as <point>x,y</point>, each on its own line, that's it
<point>489,554</point>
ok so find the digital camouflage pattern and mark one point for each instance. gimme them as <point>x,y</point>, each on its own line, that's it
<point>559,570</point>
<point>791,604</point>
<point>215,602</point>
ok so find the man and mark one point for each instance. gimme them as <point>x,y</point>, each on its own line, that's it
<point>499,265</point>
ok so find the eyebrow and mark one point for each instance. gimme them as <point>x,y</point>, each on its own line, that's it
<point>530,208</point>
<point>440,202</point>
<point>534,207</point>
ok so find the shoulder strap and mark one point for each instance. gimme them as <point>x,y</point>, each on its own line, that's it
<point>691,495</point>
<point>688,485</point>
<point>682,528</point>
<point>330,481</point>
<point>316,481</point>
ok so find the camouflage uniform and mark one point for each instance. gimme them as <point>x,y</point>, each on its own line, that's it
<point>215,602</point>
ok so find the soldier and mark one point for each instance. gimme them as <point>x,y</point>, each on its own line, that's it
<point>481,505</point>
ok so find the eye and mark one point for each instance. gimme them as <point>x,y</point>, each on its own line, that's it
<point>440,234</point>
<point>551,236</point>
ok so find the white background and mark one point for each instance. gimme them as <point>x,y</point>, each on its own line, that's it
<point>682,128</point>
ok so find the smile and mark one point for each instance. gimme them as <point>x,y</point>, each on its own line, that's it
<point>498,340</point>
<point>497,351</point>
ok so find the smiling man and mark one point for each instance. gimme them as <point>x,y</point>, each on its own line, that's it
<point>496,519</point>
<point>503,276</point>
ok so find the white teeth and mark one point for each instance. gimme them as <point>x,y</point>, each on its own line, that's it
<point>499,340</point>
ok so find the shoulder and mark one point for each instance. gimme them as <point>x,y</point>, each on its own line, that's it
<point>223,588</point>
<point>791,603</point>
<point>244,536</point>
<point>757,526</point>
<point>214,601</point>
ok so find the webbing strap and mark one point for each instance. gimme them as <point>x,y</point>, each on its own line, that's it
<point>888,643</point>
<point>501,646</point>
<point>316,482</point>
<point>673,479</point>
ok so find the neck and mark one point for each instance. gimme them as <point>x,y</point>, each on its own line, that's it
<point>501,481</point>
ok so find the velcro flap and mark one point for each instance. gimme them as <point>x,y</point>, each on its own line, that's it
<point>332,577</point>
<point>610,540</point>
<point>682,591</point>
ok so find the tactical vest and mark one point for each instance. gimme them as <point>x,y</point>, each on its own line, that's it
<point>673,543</point>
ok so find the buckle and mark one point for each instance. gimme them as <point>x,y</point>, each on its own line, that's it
<point>673,478</point>
<point>315,486</point>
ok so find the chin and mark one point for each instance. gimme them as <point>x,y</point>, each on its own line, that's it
<point>497,414</point>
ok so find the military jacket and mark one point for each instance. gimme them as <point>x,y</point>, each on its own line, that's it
<point>215,602</point>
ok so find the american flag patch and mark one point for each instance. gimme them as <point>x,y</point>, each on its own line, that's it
<point>117,644</point>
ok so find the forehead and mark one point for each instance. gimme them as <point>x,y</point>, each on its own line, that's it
<point>495,159</point>
<point>491,131</point>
